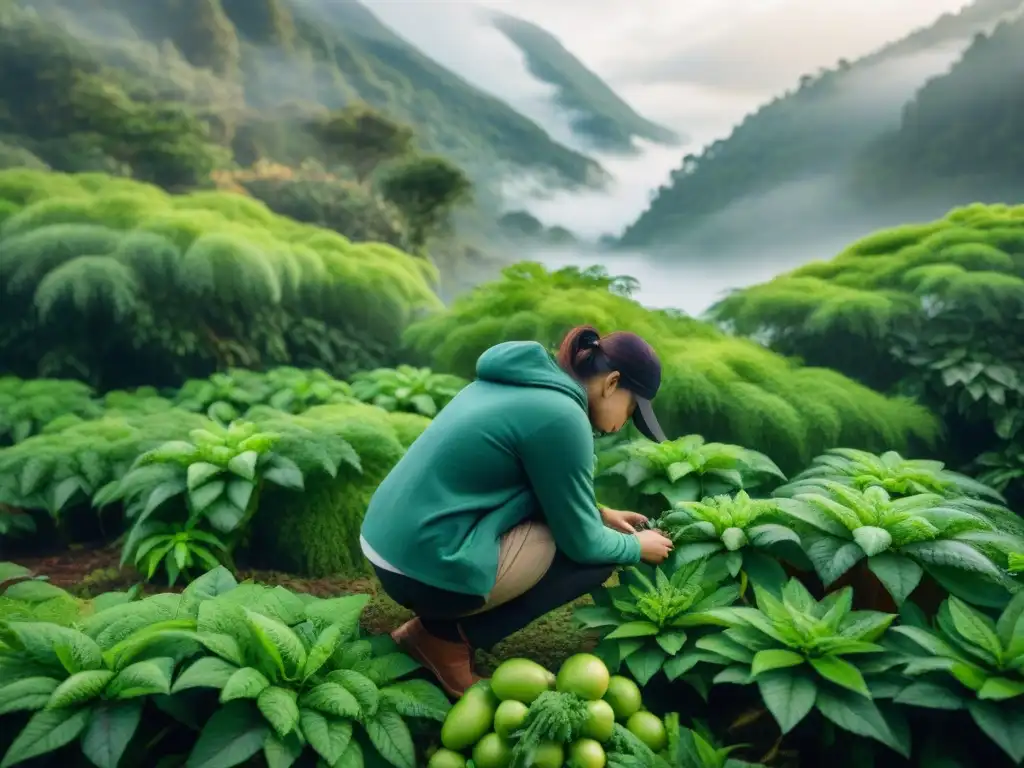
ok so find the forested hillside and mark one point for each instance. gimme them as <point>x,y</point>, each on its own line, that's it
<point>258,75</point>
<point>598,113</point>
<point>819,129</point>
<point>961,131</point>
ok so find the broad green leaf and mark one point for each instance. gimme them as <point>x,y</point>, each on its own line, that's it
<point>776,658</point>
<point>339,610</point>
<point>285,473</point>
<point>416,698</point>
<point>645,663</point>
<point>231,736</point>
<point>207,672</point>
<point>788,695</point>
<point>333,699</point>
<point>282,752</point>
<point>633,629</point>
<point>352,757</point>
<point>593,616</point>
<point>390,735</point>
<point>45,732</point>
<point>899,575</point>
<point>80,688</point>
<point>832,557</point>
<point>111,728</point>
<point>671,641</point>
<point>246,683</point>
<point>677,666</point>
<point>722,645</point>
<point>279,706</point>
<point>244,465</point>
<point>999,688</point>
<point>26,694</point>
<point>975,628</point>
<point>1003,722</point>
<point>361,687</point>
<point>40,640</point>
<point>842,673</point>
<point>326,734</point>
<point>858,715</point>
<point>143,678</point>
<point>284,653</point>
<point>873,540</point>
<point>322,650</point>
<point>954,554</point>
<point>929,695</point>
<point>200,472</point>
<point>391,666</point>
<point>1010,626</point>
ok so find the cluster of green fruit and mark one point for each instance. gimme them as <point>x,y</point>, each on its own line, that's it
<point>493,719</point>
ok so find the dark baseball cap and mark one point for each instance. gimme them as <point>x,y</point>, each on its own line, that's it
<point>639,372</point>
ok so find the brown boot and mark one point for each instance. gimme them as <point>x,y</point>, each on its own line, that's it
<point>451,663</point>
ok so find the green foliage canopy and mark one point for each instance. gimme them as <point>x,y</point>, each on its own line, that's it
<point>122,284</point>
<point>727,389</point>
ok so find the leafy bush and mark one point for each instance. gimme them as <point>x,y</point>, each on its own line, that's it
<point>228,396</point>
<point>900,538</point>
<point>121,284</point>
<point>687,469</point>
<point>285,674</point>
<point>413,390</point>
<point>27,406</point>
<point>26,597</point>
<point>803,656</point>
<point>726,389</point>
<point>748,535</point>
<point>651,621</point>
<point>926,310</point>
<point>968,661</point>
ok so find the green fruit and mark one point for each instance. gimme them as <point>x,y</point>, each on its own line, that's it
<point>649,729</point>
<point>585,675</point>
<point>520,680</point>
<point>624,696</point>
<point>600,720</point>
<point>510,717</point>
<point>548,755</point>
<point>587,753</point>
<point>470,718</point>
<point>445,758</point>
<point>492,751</point>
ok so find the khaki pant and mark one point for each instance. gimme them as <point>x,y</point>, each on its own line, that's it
<point>527,552</point>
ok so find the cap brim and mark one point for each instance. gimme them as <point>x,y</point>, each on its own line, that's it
<point>647,422</point>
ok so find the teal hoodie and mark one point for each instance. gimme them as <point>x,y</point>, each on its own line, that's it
<point>513,443</point>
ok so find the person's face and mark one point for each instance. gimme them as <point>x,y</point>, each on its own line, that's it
<point>610,405</point>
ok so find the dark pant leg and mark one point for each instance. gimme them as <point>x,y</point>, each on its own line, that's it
<point>438,609</point>
<point>564,582</point>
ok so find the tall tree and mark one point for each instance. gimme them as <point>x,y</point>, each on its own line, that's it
<point>425,189</point>
<point>363,138</point>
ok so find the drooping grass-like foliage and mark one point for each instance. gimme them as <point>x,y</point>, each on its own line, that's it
<point>932,310</point>
<point>122,284</point>
<point>726,389</point>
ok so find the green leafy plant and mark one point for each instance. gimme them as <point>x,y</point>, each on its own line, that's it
<point>405,388</point>
<point>688,469</point>
<point>652,619</point>
<point>225,397</point>
<point>27,597</point>
<point>1001,469</point>
<point>696,748</point>
<point>967,661</point>
<point>287,674</point>
<point>802,654</point>
<point>26,406</point>
<point>737,529</point>
<point>190,500</point>
<point>901,538</point>
<point>15,523</point>
<point>897,475</point>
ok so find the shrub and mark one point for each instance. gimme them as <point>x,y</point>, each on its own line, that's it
<point>283,674</point>
<point>726,389</point>
<point>122,284</point>
<point>27,406</point>
<point>413,390</point>
<point>317,533</point>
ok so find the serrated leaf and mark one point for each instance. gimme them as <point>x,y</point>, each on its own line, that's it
<point>329,736</point>
<point>416,698</point>
<point>322,650</point>
<point>279,706</point>
<point>390,735</point>
<point>46,732</point>
<point>361,687</point>
<point>26,694</point>
<point>246,683</point>
<point>80,688</point>
<point>333,699</point>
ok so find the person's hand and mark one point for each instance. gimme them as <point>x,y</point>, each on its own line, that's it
<point>655,546</point>
<point>624,522</point>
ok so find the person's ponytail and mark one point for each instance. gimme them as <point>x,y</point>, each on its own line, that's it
<point>577,351</point>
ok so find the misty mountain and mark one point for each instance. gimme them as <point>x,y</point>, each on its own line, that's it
<point>598,115</point>
<point>960,136</point>
<point>812,134</point>
<point>278,63</point>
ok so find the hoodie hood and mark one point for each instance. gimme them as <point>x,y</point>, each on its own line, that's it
<point>528,364</point>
